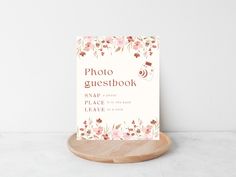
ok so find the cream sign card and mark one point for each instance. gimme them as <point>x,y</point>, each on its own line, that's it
<point>118,88</point>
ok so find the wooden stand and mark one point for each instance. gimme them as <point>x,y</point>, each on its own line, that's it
<point>119,151</point>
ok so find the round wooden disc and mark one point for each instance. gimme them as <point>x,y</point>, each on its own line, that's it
<point>119,151</point>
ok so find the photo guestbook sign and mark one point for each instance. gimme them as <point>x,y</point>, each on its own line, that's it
<point>117,88</point>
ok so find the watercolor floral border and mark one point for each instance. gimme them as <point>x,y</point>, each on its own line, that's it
<point>138,46</point>
<point>135,130</point>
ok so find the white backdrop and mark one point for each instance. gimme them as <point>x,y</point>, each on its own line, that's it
<point>37,59</point>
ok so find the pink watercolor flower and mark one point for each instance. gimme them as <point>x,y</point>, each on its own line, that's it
<point>126,136</point>
<point>120,42</point>
<point>98,130</point>
<point>99,120</point>
<point>153,122</point>
<point>116,134</point>
<point>106,136</point>
<point>82,53</point>
<point>137,55</point>
<point>109,39</point>
<point>137,45</point>
<point>147,129</point>
<point>130,39</point>
<point>88,46</point>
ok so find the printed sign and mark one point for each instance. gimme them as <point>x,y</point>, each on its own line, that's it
<point>117,88</point>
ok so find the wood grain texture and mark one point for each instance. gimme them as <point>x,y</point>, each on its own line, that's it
<point>119,151</point>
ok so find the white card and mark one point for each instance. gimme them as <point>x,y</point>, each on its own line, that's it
<point>118,88</point>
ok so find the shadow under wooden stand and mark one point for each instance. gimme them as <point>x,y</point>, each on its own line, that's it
<point>119,151</point>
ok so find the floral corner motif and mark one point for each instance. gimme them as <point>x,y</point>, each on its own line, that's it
<point>107,45</point>
<point>134,130</point>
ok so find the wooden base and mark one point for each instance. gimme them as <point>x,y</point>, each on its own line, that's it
<point>119,151</point>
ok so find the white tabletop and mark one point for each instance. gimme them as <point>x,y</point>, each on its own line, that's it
<point>202,154</point>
